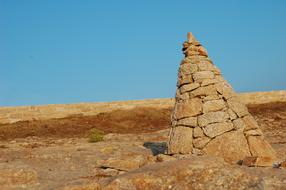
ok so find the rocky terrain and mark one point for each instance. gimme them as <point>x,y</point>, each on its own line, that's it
<point>56,154</point>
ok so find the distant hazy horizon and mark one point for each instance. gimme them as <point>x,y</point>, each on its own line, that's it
<point>88,51</point>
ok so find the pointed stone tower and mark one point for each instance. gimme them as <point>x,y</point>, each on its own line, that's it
<point>208,117</point>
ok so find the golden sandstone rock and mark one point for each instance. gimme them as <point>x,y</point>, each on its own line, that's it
<point>181,138</point>
<point>208,115</point>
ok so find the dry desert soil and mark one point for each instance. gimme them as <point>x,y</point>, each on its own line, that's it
<point>56,154</point>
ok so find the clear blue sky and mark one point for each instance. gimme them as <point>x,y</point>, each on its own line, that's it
<point>70,51</point>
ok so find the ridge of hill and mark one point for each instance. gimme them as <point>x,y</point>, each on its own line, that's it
<point>44,112</point>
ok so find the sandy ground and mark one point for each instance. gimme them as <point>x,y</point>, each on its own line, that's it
<point>55,153</point>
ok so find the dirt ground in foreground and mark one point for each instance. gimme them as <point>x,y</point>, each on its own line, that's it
<point>271,117</point>
<point>54,154</point>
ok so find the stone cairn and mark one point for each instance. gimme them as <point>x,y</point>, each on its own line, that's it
<point>208,117</point>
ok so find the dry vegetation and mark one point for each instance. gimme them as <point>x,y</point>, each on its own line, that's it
<point>137,120</point>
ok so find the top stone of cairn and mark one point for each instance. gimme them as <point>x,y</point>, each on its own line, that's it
<point>192,40</point>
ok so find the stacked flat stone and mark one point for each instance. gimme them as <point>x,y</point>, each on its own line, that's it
<point>208,117</point>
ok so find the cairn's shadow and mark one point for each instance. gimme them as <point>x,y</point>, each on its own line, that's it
<point>156,147</point>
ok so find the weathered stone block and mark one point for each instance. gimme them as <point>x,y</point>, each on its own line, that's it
<point>253,132</point>
<point>212,117</point>
<point>239,124</point>
<point>191,48</point>
<point>188,68</point>
<point>231,146</point>
<point>207,82</point>
<point>213,105</point>
<point>188,108</point>
<point>204,91</point>
<point>192,59</point>
<point>239,108</point>
<point>183,96</point>
<point>198,132</point>
<point>211,97</point>
<point>197,152</point>
<point>187,79</point>
<point>202,51</point>
<point>190,122</point>
<point>191,53</point>
<point>215,129</point>
<point>201,142</point>
<point>250,123</point>
<point>260,147</point>
<point>258,161</point>
<point>206,66</point>
<point>225,90</point>
<point>180,140</point>
<point>231,114</point>
<point>265,161</point>
<point>200,75</point>
<point>189,87</point>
